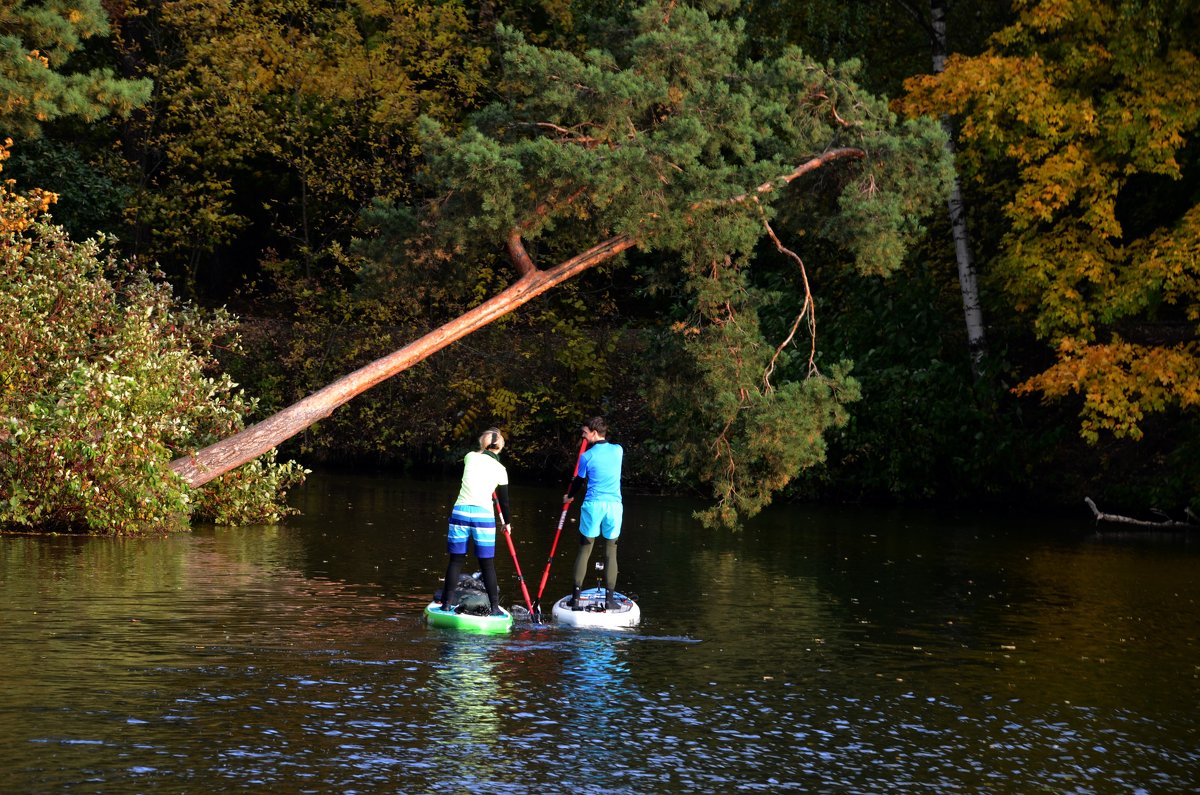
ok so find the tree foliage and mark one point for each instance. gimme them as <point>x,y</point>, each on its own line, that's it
<point>1084,114</point>
<point>663,134</point>
<point>280,131</point>
<point>103,379</point>
<point>37,84</point>
<point>277,123</point>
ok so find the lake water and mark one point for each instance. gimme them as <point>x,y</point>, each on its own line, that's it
<point>828,650</point>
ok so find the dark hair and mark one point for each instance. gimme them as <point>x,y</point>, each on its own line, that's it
<point>598,425</point>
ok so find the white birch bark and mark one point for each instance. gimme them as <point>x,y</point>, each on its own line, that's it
<point>972,312</point>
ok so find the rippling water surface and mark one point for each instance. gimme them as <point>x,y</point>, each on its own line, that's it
<point>841,651</point>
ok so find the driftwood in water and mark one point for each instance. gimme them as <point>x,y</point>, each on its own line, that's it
<point>1165,524</point>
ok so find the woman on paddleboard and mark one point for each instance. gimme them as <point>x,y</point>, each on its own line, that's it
<point>602,511</point>
<point>474,518</point>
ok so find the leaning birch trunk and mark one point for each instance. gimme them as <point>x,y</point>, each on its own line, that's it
<point>976,342</point>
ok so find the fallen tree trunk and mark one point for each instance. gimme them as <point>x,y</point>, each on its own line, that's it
<point>218,458</point>
<point>246,445</point>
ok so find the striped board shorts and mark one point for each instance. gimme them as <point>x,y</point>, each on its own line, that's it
<point>471,521</point>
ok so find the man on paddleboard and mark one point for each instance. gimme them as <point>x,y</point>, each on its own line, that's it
<point>602,510</point>
<point>474,518</point>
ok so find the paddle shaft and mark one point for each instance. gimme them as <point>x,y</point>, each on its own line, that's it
<point>562,518</point>
<point>512,550</point>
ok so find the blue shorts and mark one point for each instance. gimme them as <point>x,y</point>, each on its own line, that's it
<point>601,517</point>
<point>471,521</point>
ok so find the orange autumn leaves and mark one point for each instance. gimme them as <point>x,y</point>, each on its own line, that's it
<point>1067,117</point>
<point>18,211</point>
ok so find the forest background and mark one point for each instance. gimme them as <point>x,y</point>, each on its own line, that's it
<point>259,158</point>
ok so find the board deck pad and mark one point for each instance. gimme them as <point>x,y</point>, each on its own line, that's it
<point>435,616</point>
<point>595,614</point>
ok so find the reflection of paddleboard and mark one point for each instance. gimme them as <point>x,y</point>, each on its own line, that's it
<point>594,614</point>
<point>435,616</point>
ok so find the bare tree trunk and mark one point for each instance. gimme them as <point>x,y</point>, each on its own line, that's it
<point>973,313</point>
<point>227,454</point>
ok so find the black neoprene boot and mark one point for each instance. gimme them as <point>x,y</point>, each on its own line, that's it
<point>610,602</point>
<point>573,603</point>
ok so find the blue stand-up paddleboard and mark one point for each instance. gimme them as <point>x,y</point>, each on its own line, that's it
<point>435,616</point>
<point>593,614</point>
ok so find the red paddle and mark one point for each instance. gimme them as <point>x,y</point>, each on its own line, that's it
<point>562,518</point>
<point>512,550</point>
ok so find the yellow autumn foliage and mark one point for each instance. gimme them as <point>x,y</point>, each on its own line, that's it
<point>1080,113</point>
<point>18,211</point>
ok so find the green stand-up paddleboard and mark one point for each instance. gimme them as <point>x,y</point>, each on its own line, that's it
<point>435,616</point>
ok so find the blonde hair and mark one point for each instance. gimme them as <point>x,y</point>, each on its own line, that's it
<point>492,439</point>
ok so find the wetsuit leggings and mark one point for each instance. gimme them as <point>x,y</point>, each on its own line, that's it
<point>610,565</point>
<point>486,565</point>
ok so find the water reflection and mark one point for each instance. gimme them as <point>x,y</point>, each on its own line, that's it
<point>597,694</point>
<point>825,651</point>
<point>466,689</point>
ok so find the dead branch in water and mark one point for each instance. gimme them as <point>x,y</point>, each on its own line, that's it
<point>1165,524</point>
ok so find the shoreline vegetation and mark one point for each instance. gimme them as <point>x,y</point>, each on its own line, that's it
<point>790,259</point>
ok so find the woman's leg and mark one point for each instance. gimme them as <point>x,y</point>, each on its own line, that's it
<point>457,532</point>
<point>453,569</point>
<point>487,566</point>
